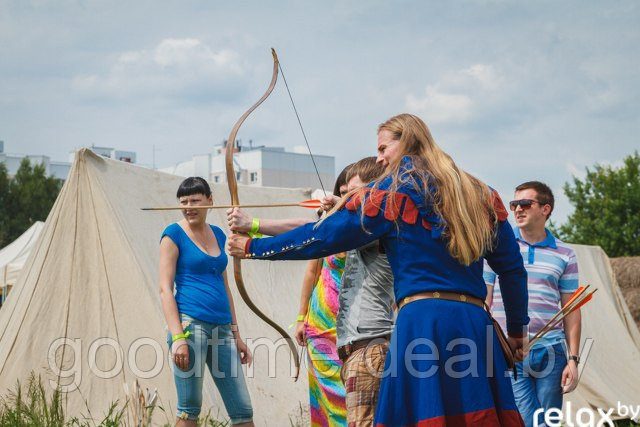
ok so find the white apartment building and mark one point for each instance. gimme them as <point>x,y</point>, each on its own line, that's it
<point>260,166</point>
<point>59,169</point>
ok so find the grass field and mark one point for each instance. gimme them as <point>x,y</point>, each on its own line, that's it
<point>29,405</point>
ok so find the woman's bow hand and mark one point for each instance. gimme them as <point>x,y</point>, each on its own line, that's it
<point>236,244</point>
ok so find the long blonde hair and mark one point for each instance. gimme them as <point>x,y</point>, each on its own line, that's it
<point>461,200</point>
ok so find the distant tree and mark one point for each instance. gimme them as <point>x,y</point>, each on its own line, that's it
<point>606,208</point>
<point>24,199</point>
<point>4,200</point>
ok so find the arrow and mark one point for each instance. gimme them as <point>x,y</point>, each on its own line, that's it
<point>566,311</point>
<point>567,307</point>
<point>309,204</point>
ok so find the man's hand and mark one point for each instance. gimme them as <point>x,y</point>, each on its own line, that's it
<point>236,244</point>
<point>518,346</point>
<point>238,220</point>
<point>569,377</point>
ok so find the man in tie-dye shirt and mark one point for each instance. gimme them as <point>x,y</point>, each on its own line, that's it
<point>551,369</point>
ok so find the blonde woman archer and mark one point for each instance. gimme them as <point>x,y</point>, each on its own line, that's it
<point>436,224</point>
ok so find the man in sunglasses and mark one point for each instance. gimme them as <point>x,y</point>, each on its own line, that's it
<point>547,373</point>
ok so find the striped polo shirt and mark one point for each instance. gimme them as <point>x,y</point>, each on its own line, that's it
<point>552,270</point>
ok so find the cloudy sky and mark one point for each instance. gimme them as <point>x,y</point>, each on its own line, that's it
<point>513,90</point>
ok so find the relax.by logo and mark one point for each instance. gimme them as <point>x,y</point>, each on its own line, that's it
<point>586,417</point>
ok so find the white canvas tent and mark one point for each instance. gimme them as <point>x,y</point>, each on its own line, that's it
<point>610,366</point>
<point>15,254</point>
<point>92,281</point>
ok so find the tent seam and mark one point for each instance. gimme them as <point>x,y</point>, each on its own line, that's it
<point>104,266</point>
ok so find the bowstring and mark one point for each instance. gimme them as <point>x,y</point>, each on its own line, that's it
<point>284,79</point>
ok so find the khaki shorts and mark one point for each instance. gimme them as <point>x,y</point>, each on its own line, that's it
<point>361,374</point>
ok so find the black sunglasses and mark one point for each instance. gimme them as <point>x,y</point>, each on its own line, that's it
<point>524,203</point>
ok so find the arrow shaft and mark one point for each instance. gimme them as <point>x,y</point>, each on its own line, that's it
<point>567,307</point>
<point>171,208</point>
<point>574,307</point>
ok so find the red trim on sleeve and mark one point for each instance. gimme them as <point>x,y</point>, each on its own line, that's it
<point>392,208</point>
<point>401,204</point>
<point>246,246</point>
<point>498,206</point>
<point>374,202</point>
<point>410,213</point>
<point>356,200</point>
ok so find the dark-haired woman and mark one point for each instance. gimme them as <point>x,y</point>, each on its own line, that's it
<point>201,312</point>
<point>436,223</point>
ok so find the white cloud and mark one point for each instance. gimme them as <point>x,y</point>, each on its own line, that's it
<point>437,106</point>
<point>175,68</point>
<point>603,100</point>
<point>192,52</point>
<point>456,96</point>
<point>485,75</point>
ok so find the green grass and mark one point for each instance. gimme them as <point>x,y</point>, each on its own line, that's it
<point>31,406</point>
<point>207,421</point>
<point>114,417</point>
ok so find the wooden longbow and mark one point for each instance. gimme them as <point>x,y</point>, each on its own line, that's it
<point>233,191</point>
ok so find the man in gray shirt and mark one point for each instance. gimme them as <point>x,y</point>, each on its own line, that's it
<point>365,315</point>
<point>366,296</point>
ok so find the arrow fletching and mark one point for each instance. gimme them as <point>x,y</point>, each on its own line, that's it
<point>311,204</point>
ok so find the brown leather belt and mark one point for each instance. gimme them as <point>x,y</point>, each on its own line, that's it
<point>450,296</point>
<point>348,349</point>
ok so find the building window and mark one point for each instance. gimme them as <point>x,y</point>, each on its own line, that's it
<point>253,176</point>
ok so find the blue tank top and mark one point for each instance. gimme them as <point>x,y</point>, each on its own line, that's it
<point>200,290</point>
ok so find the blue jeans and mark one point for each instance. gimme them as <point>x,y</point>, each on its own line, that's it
<point>539,382</point>
<point>214,346</point>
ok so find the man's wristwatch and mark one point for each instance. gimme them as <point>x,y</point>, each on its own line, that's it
<point>575,358</point>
